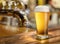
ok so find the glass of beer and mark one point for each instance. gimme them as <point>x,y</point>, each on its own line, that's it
<point>42,18</point>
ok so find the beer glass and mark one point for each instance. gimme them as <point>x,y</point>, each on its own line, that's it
<point>42,18</point>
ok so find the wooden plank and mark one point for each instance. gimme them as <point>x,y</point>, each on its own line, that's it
<point>30,38</point>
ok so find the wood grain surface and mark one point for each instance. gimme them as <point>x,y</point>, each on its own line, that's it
<point>29,37</point>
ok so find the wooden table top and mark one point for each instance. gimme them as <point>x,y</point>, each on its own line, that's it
<point>28,37</point>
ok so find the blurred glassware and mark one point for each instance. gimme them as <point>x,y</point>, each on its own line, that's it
<point>4,4</point>
<point>6,7</point>
<point>12,4</point>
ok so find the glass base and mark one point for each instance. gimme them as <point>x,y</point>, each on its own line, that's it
<point>42,37</point>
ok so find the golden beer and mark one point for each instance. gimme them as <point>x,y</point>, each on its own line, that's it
<point>42,18</point>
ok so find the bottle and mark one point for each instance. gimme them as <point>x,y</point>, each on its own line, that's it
<point>12,6</point>
<point>1,5</point>
<point>6,7</point>
<point>41,2</point>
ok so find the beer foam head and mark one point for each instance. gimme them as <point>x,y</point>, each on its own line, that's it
<point>42,9</point>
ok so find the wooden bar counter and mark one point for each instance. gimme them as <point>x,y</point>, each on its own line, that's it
<point>28,37</point>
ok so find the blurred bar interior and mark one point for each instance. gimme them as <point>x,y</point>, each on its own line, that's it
<point>26,9</point>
